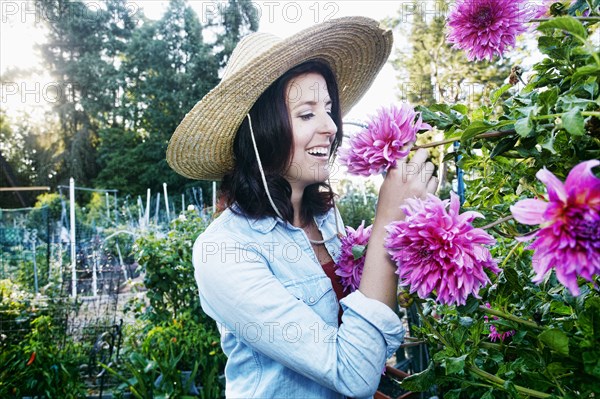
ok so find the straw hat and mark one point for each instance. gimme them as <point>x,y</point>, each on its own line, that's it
<point>355,48</point>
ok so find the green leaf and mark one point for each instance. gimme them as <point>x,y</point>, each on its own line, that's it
<point>453,394</point>
<point>358,251</point>
<point>591,363</point>
<point>560,308</point>
<point>573,122</point>
<point>567,23</point>
<point>420,382</point>
<point>591,85</point>
<point>496,94</point>
<point>475,128</point>
<point>441,121</point>
<point>455,364</point>
<point>512,277</point>
<point>461,108</point>
<point>488,395</point>
<point>445,108</point>
<point>512,391</point>
<point>557,368</point>
<point>552,46</point>
<point>556,340</point>
<point>524,126</point>
<point>548,144</point>
<point>470,307</point>
<point>465,321</point>
<point>506,144</point>
<point>586,70</point>
<point>549,97</point>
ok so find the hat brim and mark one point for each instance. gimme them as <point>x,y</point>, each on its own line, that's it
<point>355,48</point>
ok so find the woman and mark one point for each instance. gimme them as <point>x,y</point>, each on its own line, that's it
<point>265,266</point>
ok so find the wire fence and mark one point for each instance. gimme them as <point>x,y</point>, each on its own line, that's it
<point>75,262</point>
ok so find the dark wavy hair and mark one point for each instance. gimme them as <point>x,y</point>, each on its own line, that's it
<point>273,132</point>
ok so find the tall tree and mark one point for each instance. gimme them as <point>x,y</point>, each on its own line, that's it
<point>430,70</point>
<point>27,151</point>
<point>238,19</point>
<point>168,67</point>
<point>80,52</point>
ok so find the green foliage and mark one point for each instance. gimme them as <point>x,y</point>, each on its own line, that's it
<point>174,358</point>
<point>357,203</point>
<point>121,84</point>
<point>42,365</point>
<point>177,336</point>
<point>169,273</point>
<point>552,122</point>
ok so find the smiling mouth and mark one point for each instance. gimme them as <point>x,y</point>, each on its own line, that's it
<point>319,152</point>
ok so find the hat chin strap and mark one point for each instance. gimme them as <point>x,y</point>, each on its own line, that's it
<point>264,180</point>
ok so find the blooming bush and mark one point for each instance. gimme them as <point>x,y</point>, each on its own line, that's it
<point>176,341</point>
<point>530,325</point>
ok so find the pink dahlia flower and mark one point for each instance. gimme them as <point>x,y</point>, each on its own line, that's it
<point>386,140</point>
<point>486,27</point>
<point>494,334</point>
<point>569,235</point>
<point>438,249</point>
<point>350,267</point>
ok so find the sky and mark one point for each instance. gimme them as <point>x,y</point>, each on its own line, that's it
<point>19,35</point>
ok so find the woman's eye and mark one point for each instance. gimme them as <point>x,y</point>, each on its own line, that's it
<point>306,117</point>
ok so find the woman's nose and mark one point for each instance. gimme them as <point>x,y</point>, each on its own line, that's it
<point>328,125</point>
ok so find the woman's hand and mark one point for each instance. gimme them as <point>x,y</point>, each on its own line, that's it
<point>407,180</point>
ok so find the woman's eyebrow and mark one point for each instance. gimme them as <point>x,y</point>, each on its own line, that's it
<point>308,102</point>
<point>311,102</point>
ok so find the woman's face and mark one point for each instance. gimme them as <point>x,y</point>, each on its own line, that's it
<point>313,130</point>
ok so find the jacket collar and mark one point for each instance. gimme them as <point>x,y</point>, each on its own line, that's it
<point>268,223</point>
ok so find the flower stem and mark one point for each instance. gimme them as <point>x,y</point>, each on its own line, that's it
<point>512,251</point>
<point>479,136</point>
<point>509,316</point>
<point>500,381</point>
<point>550,116</point>
<point>497,222</point>
<point>431,328</point>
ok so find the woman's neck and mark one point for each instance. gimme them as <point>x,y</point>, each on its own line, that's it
<point>296,200</point>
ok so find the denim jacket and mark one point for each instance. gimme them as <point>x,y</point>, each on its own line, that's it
<point>278,314</point>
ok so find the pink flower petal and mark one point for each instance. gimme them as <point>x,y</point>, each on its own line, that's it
<point>387,139</point>
<point>556,189</point>
<point>529,211</point>
<point>582,184</point>
<point>436,249</point>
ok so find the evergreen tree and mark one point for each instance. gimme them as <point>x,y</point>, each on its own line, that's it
<point>430,71</point>
<point>238,19</point>
<point>168,67</point>
<point>81,52</point>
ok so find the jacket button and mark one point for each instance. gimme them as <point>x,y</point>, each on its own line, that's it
<point>311,299</point>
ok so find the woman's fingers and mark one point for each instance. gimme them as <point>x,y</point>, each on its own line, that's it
<point>432,185</point>
<point>420,156</point>
<point>428,170</point>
